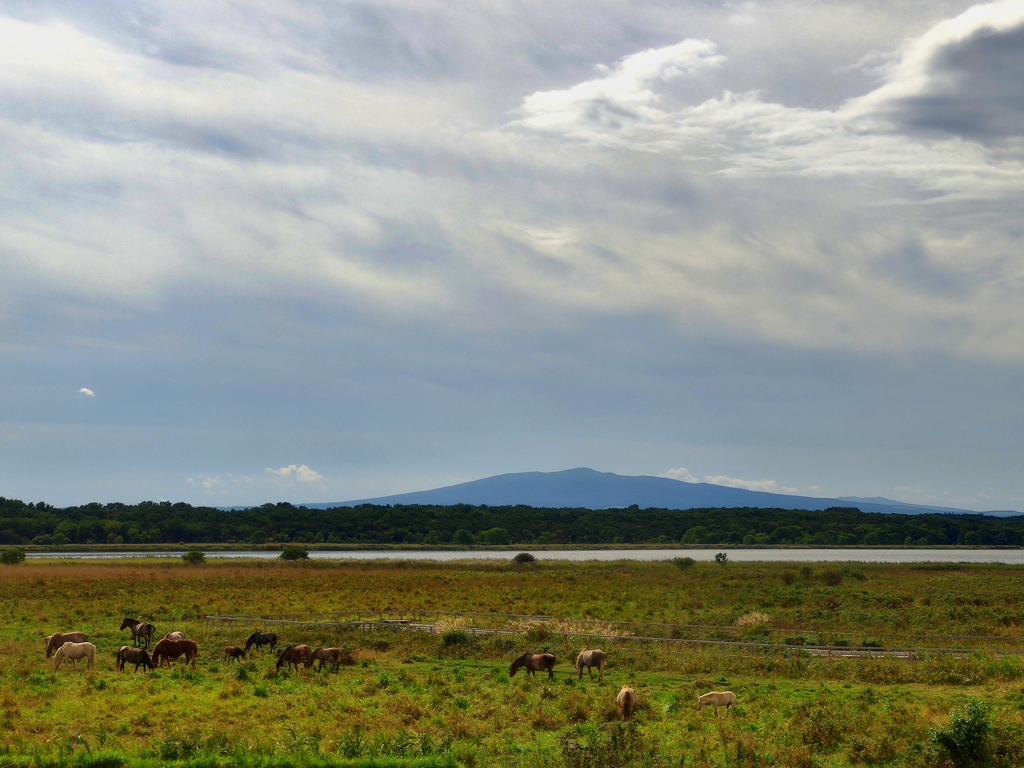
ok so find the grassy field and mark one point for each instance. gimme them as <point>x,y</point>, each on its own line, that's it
<point>411,699</point>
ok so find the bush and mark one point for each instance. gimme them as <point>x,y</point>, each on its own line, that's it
<point>682,563</point>
<point>12,556</point>
<point>963,742</point>
<point>721,558</point>
<point>194,557</point>
<point>832,577</point>
<point>294,553</point>
<point>455,637</point>
<point>524,558</point>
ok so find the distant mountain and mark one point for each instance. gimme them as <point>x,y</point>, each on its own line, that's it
<point>590,489</point>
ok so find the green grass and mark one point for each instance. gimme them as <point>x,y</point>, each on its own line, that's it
<point>412,699</point>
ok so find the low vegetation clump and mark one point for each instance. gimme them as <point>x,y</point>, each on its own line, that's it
<point>294,553</point>
<point>194,557</point>
<point>12,556</point>
<point>524,558</point>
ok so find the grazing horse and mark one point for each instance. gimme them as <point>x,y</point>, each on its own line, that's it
<point>626,702</point>
<point>532,662</point>
<point>591,659</point>
<point>717,699</point>
<point>174,636</point>
<point>73,652</point>
<point>332,655</point>
<point>140,631</point>
<point>166,650</point>
<point>259,639</point>
<point>295,655</point>
<point>233,652</point>
<point>127,654</point>
<point>57,639</point>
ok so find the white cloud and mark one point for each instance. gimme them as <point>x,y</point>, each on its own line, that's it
<point>623,95</point>
<point>301,473</point>
<point>681,473</point>
<point>87,392</point>
<point>768,486</point>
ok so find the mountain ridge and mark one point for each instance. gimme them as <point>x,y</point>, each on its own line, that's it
<point>586,488</point>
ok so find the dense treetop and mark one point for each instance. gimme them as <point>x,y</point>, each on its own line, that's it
<point>166,523</point>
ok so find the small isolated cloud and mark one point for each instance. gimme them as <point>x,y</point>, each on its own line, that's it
<point>682,473</point>
<point>768,486</point>
<point>221,484</point>
<point>301,473</point>
<point>87,392</point>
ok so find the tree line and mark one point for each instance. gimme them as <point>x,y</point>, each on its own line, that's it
<point>464,524</point>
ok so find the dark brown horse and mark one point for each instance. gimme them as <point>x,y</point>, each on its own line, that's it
<point>332,655</point>
<point>295,655</point>
<point>534,662</point>
<point>57,639</point>
<point>233,652</point>
<point>141,631</point>
<point>137,656</point>
<point>259,639</point>
<point>166,650</point>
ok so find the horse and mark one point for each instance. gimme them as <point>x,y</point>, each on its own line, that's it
<point>532,662</point>
<point>717,699</point>
<point>333,655</point>
<point>295,655</point>
<point>74,652</point>
<point>174,636</point>
<point>166,650</point>
<point>57,639</point>
<point>626,702</point>
<point>591,659</point>
<point>127,654</point>
<point>233,652</point>
<point>140,631</point>
<point>259,639</point>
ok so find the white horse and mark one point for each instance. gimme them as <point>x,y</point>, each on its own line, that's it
<point>591,659</point>
<point>626,701</point>
<point>74,652</point>
<point>717,699</point>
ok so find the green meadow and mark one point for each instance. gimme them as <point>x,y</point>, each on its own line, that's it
<point>446,699</point>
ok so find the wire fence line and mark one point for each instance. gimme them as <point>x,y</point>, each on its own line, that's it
<point>672,636</point>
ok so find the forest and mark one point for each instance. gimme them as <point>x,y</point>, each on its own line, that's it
<point>462,524</point>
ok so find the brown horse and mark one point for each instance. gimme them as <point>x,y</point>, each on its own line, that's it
<point>591,659</point>
<point>126,654</point>
<point>233,652</point>
<point>626,702</point>
<point>332,655</point>
<point>534,662</point>
<point>166,650</point>
<point>141,631</point>
<point>57,639</point>
<point>295,655</point>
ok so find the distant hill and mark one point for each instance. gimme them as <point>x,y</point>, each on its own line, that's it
<point>587,488</point>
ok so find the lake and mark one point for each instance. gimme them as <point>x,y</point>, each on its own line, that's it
<point>1009,556</point>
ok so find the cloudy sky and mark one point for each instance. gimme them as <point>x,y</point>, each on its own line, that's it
<point>316,251</point>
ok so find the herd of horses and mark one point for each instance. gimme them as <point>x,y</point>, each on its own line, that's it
<point>627,699</point>
<point>74,646</point>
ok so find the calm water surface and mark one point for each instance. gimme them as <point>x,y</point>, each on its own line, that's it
<point>1010,556</point>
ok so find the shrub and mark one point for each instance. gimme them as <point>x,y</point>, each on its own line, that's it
<point>682,563</point>
<point>524,558</point>
<point>455,637</point>
<point>721,558</point>
<point>294,553</point>
<point>194,557</point>
<point>832,577</point>
<point>754,619</point>
<point>12,556</point>
<point>963,742</point>
<point>788,577</point>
